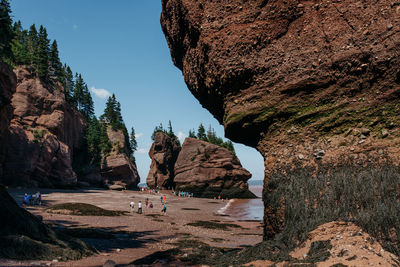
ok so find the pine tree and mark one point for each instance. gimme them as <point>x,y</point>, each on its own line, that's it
<point>55,63</point>
<point>157,129</point>
<point>87,103</point>
<point>201,133</point>
<point>68,84</point>
<point>192,134</point>
<point>133,140</point>
<point>105,145</point>
<point>94,142</point>
<point>43,52</point>
<point>78,91</point>
<point>32,46</point>
<point>19,45</point>
<point>6,31</point>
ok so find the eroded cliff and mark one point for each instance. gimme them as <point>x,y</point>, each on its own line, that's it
<point>313,85</point>
<point>42,136</point>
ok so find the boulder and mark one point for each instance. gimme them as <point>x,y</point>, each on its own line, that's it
<point>163,153</point>
<point>42,136</point>
<point>208,170</point>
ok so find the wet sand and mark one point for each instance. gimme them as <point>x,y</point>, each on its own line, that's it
<point>139,235</point>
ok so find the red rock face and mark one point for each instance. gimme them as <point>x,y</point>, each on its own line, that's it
<point>307,83</point>
<point>117,168</point>
<point>163,153</point>
<point>210,170</point>
<point>7,88</point>
<point>43,134</point>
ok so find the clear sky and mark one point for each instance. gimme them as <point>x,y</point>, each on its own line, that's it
<point>119,46</point>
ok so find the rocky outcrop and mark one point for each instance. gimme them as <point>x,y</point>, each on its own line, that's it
<point>42,137</point>
<point>208,170</point>
<point>7,88</point>
<point>163,153</point>
<point>117,168</point>
<point>313,85</point>
<point>23,236</point>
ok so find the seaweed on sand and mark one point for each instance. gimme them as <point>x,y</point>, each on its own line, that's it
<point>82,209</point>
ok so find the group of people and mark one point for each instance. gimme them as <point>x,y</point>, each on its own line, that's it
<point>182,194</point>
<point>149,205</point>
<point>32,199</point>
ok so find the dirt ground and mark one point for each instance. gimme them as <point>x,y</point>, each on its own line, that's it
<point>138,235</point>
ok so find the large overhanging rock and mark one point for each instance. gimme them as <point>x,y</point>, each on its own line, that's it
<point>208,170</point>
<point>313,85</point>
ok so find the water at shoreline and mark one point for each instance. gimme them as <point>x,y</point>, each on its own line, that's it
<point>245,209</point>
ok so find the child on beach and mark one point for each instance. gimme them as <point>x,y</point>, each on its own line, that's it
<point>164,209</point>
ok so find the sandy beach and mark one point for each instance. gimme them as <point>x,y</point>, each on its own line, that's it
<point>138,235</point>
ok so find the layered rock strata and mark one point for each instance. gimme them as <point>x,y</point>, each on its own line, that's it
<point>117,168</point>
<point>163,153</point>
<point>42,136</point>
<point>208,170</point>
<point>312,85</point>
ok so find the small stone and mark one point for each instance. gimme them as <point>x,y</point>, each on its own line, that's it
<point>361,141</point>
<point>363,137</point>
<point>390,26</point>
<point>352,149</point>
<point>301,156</point>
<point>55,260</point>
<point>319,153</point>
<point>118,250</point>
<point>365,131</point>
<point>385,133</point>
<point>348,132</point>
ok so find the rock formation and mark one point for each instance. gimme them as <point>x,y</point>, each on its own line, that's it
<point>117,168</point>
<point>43,134</point>
<point>163,153</point>
<point>208,170</point>
<point>7,88</point>
<point>312,85</point>
<point>24,236</point>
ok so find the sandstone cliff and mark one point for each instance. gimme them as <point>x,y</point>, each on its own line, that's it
<point>163,153</point>
<point>42,136</point>
<point>117,168</point>
<point>313,85</point>
<point>7,88</point>
<point>208,170</point>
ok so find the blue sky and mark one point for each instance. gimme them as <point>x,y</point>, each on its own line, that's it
<point>119,46</point>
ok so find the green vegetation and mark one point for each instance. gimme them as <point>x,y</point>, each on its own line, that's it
<point>82,209</point>
<point>209,192</point>
<point>368,196</point>
<point>169,132</point>
<point>211,137</point>
<point>214,225</point>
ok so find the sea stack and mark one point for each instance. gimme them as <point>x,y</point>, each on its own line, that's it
<point>163,153</point>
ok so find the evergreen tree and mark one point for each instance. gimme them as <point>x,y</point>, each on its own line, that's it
<point>157,129</point>
<point>19,45</point>
<point>105,145</point>
<point>6,31</point>
<point>192,134</point>
<point>32,46</point>
<point>43,52</point>
<point>78,91</point>
<point>87,103</point>
<point>94,141</point>
<point>55,63</point>
<point>201,133</point>
<point>133,141</point>
<point>109,111</point>
<point>68,84</point>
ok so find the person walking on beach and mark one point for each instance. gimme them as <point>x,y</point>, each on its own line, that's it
<point>165,199</point>
<point>132,205</point>
<point>140,207</point>
<point>164,209</point>
<point>161,198</point>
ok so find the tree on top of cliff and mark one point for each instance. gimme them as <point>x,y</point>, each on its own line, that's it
<point>6,31</point>
<point>168,132</point>
<point>43,51</point>
<point>133,142</point>
<point>68,83</point>
<point>19,44</point>
<point>55,63</point>
<point>211,137</point>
